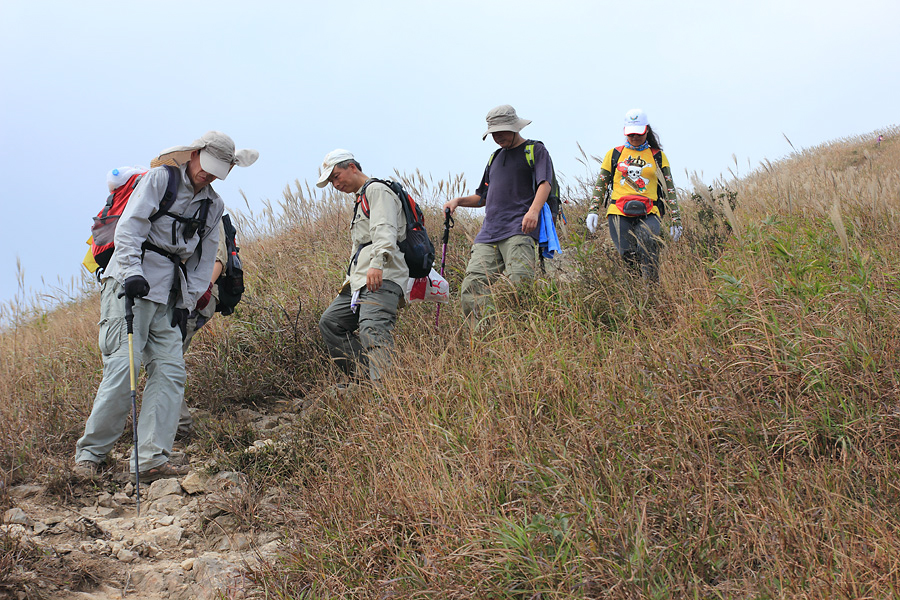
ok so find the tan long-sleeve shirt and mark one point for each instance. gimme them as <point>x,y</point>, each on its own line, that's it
<point>374,237</point>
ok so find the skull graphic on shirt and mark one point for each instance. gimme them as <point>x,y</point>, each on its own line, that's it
<point>632,174</point>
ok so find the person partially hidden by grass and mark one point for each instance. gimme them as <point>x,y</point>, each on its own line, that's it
<point>165,266</point>
<point>372,290</point>
<point>636,181</point>
<point>513,194</point>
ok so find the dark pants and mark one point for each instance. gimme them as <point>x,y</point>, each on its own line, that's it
<point>374,317</point>
<point>637,241</point>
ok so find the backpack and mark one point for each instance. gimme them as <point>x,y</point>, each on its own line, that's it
<point>661,192</point>
<point>231,281</point>
<point>103,231</point>
<point>553,200</point>
<point>417,249</point>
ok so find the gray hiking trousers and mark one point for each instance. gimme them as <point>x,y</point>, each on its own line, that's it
<point>158,345</point>
<point>374,317</point>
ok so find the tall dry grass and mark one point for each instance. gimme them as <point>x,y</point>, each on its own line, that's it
<point>730,433</point>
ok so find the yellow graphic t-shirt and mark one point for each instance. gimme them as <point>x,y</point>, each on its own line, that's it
<point>633,179</point>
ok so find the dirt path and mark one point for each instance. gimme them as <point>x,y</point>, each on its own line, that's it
<point>191,540</point>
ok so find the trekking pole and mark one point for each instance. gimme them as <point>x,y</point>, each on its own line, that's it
<point>448,223</point>
<point>129,322</point>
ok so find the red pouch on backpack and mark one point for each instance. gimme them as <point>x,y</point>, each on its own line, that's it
<point>103,230</point>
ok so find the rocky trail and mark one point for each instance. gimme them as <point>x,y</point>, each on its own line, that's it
<point>195,537</point>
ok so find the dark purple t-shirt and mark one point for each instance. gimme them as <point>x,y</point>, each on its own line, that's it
<point>509,184</point>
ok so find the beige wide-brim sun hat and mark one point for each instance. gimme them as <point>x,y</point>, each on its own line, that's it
<point>504,118</point>
<point>217,154</point>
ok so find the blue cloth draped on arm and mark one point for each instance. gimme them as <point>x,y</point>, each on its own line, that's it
<point>549,242</point>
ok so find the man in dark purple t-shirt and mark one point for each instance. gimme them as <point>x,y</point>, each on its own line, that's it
<point>513,194</point>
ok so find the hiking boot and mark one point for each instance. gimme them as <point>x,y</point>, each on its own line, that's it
<point>178,458</point>
<point>184,434</point>
<point>165,471</point>
<point>87,469</point>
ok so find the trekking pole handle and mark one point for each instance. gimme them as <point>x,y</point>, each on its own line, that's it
<point>129,311</point>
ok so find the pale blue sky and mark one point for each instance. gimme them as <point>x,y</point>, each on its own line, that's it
<point>88,86</point>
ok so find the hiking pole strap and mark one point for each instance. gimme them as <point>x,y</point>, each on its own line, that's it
<point>448,224</point>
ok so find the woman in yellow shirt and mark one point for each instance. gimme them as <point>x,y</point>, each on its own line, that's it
<point>641,185</point>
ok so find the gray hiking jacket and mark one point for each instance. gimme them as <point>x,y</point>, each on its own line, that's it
<point>197,255</point>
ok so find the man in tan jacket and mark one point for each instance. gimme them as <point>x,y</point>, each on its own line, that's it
<point>373,287</point>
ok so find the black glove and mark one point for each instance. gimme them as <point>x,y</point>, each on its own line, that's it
<point>180,318</point>
<point>136,287</point>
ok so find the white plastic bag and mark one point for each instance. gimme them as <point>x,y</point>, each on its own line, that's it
<point>433,288</point>
<point>118,177</point>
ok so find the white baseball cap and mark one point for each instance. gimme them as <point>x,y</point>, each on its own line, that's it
<point>636,122</point>
<point>331,159</point>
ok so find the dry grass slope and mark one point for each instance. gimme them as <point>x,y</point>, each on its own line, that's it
<point>732,433</point>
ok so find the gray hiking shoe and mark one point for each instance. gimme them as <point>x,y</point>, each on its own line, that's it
<point>86,469</point>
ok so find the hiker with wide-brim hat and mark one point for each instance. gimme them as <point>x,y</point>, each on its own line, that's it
<point>636,181</point>
<point>164,266</point>
<point>513,194</point>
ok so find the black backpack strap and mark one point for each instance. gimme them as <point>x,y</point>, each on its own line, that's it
<point>362,197</point>
<point>204,212</point>
<point>613,163</point>
<point>154,248</point>
<point>411,217</point>
<point>176,261</point>
<point>614,159</point>
<point>553,198</point>
<point>355,258</point>
<point>170,194</point>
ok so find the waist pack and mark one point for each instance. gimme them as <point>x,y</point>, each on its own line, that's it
<point>417,249</point>
<point>634,206</point>
<point>231,281</point>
